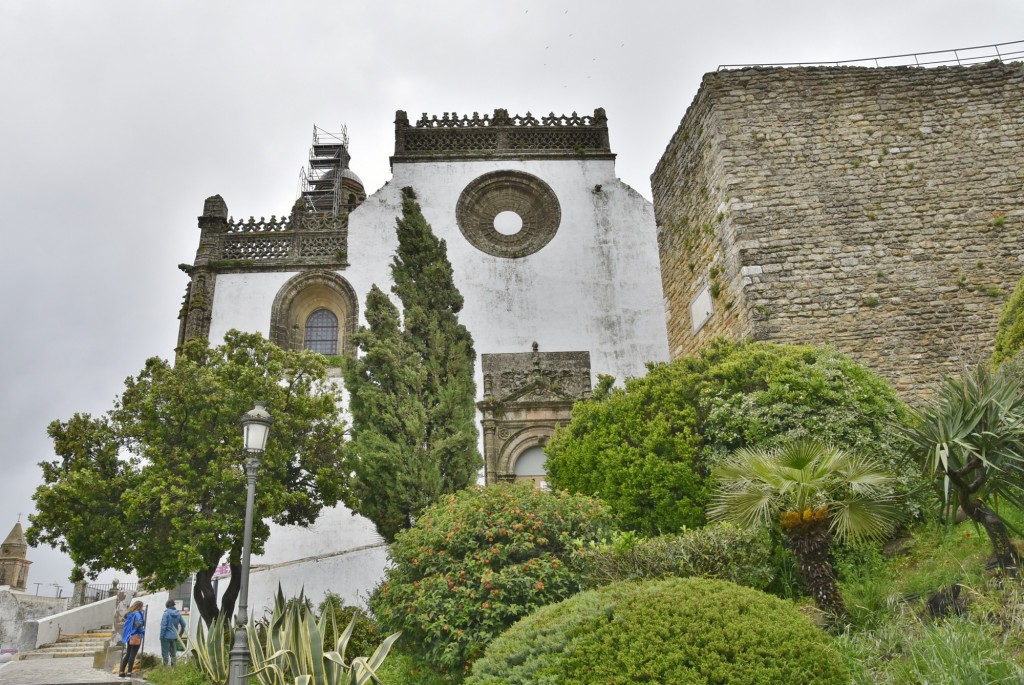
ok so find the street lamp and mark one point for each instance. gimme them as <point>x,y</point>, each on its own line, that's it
<point>255,429</point>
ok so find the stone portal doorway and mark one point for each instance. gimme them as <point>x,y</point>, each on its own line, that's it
<point>527,395</point>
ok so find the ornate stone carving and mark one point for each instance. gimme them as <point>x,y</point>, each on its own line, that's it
<point>258,249</point>
<point>197,305</point>
<point>514,191</point>
<point>527,395</point>
<point>521,137</point>
<point>304,239</point>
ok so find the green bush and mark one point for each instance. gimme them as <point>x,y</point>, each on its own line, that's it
<point>685,631</point>
<point>477,562</point>
<point>365,633</point>
<point>210,650</point>
<point>406,669</point>
<point>723,551</point>
<point>866,581</point>
<point>647,449</point>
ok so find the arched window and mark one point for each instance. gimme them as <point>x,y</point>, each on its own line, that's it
<point>298,301</point>
<point>321,332</point>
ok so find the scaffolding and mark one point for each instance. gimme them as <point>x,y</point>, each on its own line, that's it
<point>320,183</point>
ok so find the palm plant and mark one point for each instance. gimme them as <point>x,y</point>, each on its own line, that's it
<point>815,492</point>
<point>971,436</point>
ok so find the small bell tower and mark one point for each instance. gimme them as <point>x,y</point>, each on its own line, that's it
<point>13,562</point>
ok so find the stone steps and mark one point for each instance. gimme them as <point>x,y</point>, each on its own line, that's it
<point>72,645</point>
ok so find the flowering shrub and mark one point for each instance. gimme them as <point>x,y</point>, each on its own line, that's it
<point>478,561</point>
<point>684,631</point>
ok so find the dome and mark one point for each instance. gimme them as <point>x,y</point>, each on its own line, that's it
<point>348,173</point>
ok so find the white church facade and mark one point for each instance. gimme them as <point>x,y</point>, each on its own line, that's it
<point>556,258</point>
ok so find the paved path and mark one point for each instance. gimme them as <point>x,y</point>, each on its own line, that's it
<point>69,671</point>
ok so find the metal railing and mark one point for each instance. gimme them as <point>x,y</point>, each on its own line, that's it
<point>95,593</point>
<point>1003,52</point>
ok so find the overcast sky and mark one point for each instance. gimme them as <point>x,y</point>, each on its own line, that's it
<point>119,118</point>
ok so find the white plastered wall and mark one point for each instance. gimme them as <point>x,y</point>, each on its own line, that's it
<point>596,286</point>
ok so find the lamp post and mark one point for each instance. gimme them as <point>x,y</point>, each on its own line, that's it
<point>255,428</point>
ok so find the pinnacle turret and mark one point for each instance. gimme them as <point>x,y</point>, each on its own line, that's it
<point>13,559</point>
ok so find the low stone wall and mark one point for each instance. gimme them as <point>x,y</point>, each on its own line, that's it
<point>16,608</point>
<point>81,619</point>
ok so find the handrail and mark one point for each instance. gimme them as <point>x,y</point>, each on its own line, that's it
<point>1015,53</point>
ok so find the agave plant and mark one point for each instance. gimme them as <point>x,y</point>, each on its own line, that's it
<point>210,650</point>
<point>971,437</point>
<point>291,649</point>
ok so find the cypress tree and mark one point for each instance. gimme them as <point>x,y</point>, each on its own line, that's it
<point>412,390</point>
<point>1010,334</point>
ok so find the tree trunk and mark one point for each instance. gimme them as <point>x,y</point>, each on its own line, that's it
<point>1006,553</point>
<point>204,595</point>
<point>227,602</point>
<point>810,541</point>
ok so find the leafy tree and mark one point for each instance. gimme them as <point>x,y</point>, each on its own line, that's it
<point>814,492</point>
<point>478,561</point>
<point>647,449</point>
<point>412,389</point>
<point>81,495</point>
<point>174,505</point>
<point>1010,335</point>
<point>971,437</point>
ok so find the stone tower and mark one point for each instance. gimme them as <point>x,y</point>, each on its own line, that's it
<point>13,559</point>
<point>876,209</point>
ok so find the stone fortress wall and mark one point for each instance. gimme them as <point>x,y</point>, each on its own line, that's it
<point>877,209</point>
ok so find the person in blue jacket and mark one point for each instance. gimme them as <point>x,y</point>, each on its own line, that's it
<point>172,627</point>
<point>134,629</point>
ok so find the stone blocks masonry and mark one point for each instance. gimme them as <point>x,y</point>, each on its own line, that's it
<point>880,210</point>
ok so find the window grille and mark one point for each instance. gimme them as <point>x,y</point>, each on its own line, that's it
<point>322,332</point>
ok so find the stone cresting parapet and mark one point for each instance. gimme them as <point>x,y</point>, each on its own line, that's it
<point>501,135</point>
<point>303,240</point>
<point>877,209</point>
